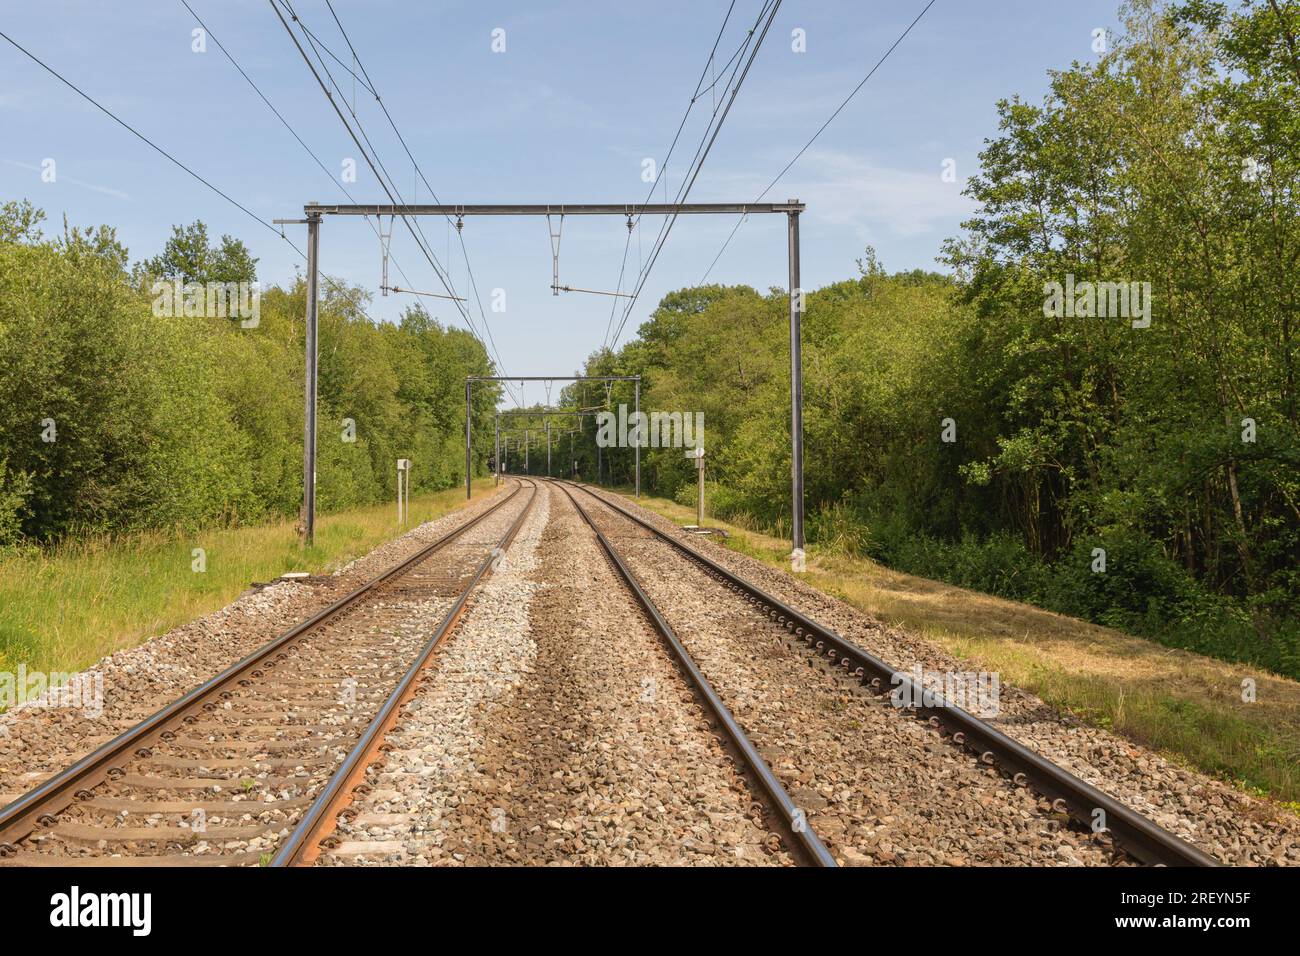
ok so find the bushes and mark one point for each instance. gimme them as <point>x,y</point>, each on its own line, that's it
<point>14,489</point>
<point>837,529</point>
<point>998,564</point>
<point>74,416</point>
<point>720,502</point>
<point>114,418</point>
<point>1141,591</point>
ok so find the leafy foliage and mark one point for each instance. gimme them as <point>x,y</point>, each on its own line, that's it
<point>113,418</point>
<point>1172,161</point>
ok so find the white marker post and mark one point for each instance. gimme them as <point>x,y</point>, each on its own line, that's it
<point>698,455</point>
<point>403,489</point>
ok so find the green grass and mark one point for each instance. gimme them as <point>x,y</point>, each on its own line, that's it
<point>66,607</point>
<point>1184,705</point>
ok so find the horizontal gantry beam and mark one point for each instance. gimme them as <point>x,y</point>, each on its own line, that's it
<point>553,378</point>
<point>556,209</point>
<point>525,412</point>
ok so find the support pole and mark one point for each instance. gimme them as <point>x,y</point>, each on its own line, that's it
<point>527,443</point>
<point>699,502</point>
<point>796,385</point>
<point>312,364</point>
<point>468,418</point>
<point>496,456</point>
<point>548,448</point>
<point>637,391</point>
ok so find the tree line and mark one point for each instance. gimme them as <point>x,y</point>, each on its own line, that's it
<point>1129,455</point>
<point>117,415</point>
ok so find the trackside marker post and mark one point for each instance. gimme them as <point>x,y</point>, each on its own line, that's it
<point>698,455</point>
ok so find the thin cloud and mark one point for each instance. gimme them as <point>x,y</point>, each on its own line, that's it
<point>846,190</point>
<point>62,178</point>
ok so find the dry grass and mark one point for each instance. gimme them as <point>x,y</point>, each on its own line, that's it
<point>1184,705</point>
<point>66,607</point>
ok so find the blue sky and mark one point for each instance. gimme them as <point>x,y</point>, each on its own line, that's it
<point>582,94</point>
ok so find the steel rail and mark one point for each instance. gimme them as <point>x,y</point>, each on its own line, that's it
<point>1145,840</point>
<point>806,841</point>
<point>303,845</point>
<point>39,805</point>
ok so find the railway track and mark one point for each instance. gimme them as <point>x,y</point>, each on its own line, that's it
<point>258,765</point>
<point>780,812</point>
<point>403,815</point>
<point>1068,796</point>
<point>251,767</point>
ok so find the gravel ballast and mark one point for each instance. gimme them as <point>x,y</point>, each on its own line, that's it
<point>37,741</point>
<point>554,727</point>
<point>1234,827</point>
<point>555,730</point>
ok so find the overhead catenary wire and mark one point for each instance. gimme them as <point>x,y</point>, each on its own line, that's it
<point>702,153</point>
<point>328,175</point>
<point>374,91</point>
<point>803,149</point>
<point>376,164</point>
<point>668,157</point>
<point>386,182</point>
<point>339,286</point>
<point>431,295</point>
<point>613,306</point>
<point>333,56</point>
<point>419,172</point>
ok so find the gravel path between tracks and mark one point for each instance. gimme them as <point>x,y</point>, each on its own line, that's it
<point>1234,827</point>
<point>37,741</point>
<point>555,729</point>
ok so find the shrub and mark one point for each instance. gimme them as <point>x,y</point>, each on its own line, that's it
<point>14,489</point>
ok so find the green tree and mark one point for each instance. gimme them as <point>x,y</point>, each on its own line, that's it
<point>189,257</point>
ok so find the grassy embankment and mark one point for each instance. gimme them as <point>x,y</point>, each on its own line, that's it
<point>64,608</point>
<point>1184,705</point>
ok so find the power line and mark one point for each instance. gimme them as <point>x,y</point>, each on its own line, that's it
<point>386,181</point>
<point>338,286</point>
<point>820,130</point>
<point>256,89</point>
<point>370,85</point>
<point>702,153</point>
<point>140,136</point>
